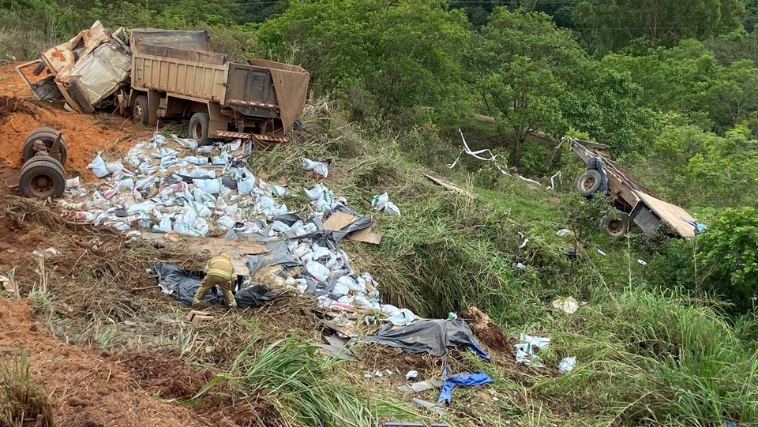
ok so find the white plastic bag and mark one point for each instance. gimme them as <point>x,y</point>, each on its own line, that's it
<point>126,183</point>
<point>382,203</point>
<point>98,167</point>
<point>316,167</point>
<point>246,185</point>
<point>164,226</point>
<point>226,222</point>
<point>212,186</point>
<point>73,183</point>
<point>317,271</point>
<point>114,167</point>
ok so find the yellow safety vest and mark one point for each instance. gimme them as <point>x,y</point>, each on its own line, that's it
<point>220,267</point>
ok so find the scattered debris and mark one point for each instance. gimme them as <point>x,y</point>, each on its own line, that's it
<point>450,186</point>
<point>563,232</point>
<point>47,253</point>
<point>382,203</point>
<point>464,380</point>
<point>420,386</point>
<point>476,154</point>
<point>316,167</point>
<point>196,317</point>
<point>433,407</point>
<point>412,374</point>
<point>552,180</point>
<point>336,347</point>
<point>526,350</point>
<point>568,305</point>
<point>601,252</point>
<point>567,364</point>
<point>183,284</point>
<point>429,335</point>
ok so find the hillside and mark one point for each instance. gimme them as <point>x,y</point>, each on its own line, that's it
<point>658,330</point>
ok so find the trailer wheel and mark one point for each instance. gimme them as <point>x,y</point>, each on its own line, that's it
<point>198,128</point>
<point>140,113</point>
<point>588,182</point>
<point>615,226</point>
<point>42,177</point>
<point>48,136</point>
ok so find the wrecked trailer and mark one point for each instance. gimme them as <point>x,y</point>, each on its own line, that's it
<point>85,70</point>
<point>176,75</point>
<point>633,201</point>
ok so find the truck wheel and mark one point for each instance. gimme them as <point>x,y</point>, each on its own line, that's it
<point>615,227</point>
<point>140,114</point>
<point>198,128</point>
<point>48,136</point>
<point>588,183</point>
<point>42,177</point>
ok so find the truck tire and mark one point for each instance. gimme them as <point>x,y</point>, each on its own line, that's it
<point>48,136</point>
<point>615,226</point>
<point>42,177</point>
<point>588,182</point>
<point>140,113</point>
<point>198,128</point>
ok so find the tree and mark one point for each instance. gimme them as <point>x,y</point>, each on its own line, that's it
<point>734,94</point>
<point>402,54</point>
<point>614,24</point>
<point>729,249</point>
<point>519,67</point>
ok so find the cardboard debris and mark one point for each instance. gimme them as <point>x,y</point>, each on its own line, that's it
<point>366,236</point>
<point>339,220</point>
<point>450,186</point>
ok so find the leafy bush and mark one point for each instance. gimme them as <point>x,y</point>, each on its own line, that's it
<point>729,250</point>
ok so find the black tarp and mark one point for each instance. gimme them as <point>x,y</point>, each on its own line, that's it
<point>183,284</point>
<point>432,336</point>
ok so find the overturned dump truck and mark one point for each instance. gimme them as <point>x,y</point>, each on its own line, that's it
<point>86,70</point>
<point>633,201</point>
<point>158,74</point>
<point>175,74</point>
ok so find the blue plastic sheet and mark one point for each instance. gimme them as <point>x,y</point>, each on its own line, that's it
<point>465,379</point>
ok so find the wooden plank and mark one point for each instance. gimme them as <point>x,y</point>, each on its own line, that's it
<point>339,220</point>
<point>672,214</point>
<point>450,186</point>
<point>209,247</point>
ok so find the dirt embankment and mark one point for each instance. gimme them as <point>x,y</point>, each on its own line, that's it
<point>86,133</point>
<point>85,389</point>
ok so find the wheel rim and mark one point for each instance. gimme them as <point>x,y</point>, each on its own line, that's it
<point>588,183</point>
<point>138,112</point>
<point>197,131</point>
<point>616,227</point>
<point>42,185</point>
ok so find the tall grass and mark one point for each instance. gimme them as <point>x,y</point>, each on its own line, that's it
<point>22,403</point>
<point>302,388</point>
<point>651,358</point>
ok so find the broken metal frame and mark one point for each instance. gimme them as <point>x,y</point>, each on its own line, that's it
<point>643,206</point>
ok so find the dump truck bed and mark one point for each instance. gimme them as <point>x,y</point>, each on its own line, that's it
<point>181,63</point>
<point>645,208</point>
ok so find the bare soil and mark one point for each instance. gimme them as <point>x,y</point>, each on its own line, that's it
<point>86,134</point>
<point>84,388</point>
